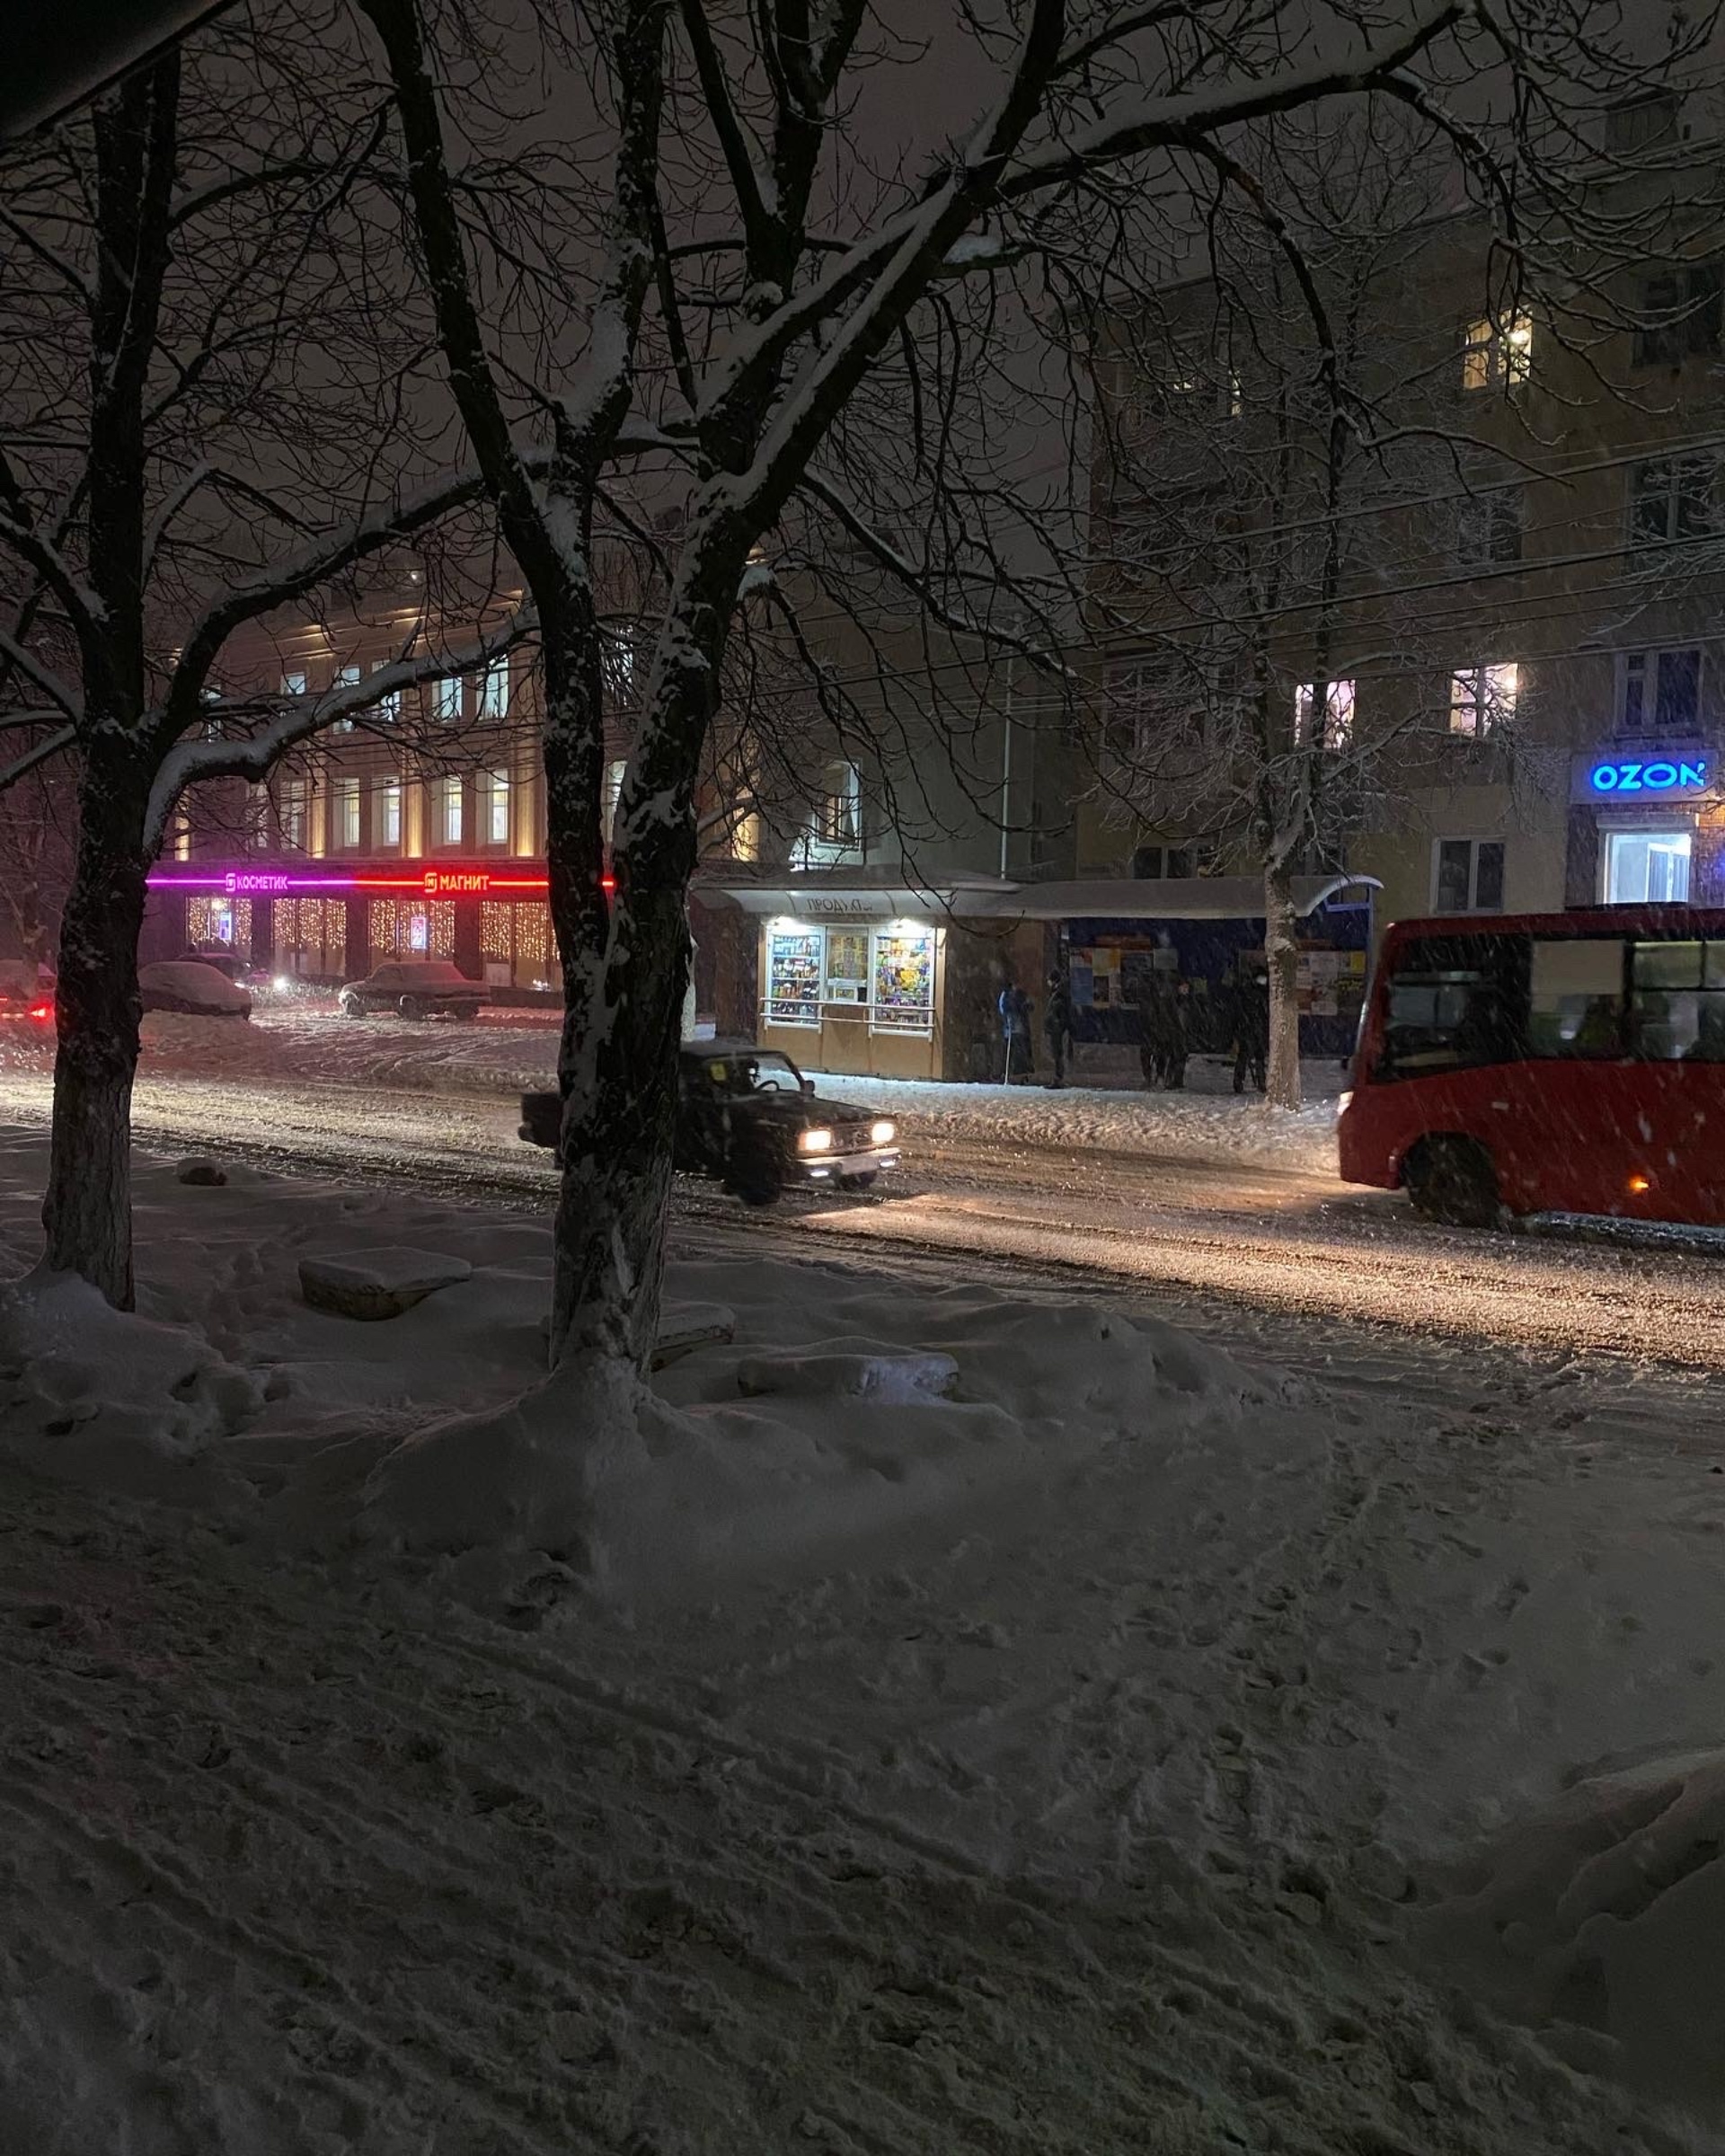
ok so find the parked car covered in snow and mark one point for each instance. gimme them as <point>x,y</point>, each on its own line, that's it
<point>414,988</point>
<point>748,1118</point>
<point>26,998</point>
<point>192,987</point>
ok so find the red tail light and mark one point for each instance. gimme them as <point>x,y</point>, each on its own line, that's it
<point>42,1012</point>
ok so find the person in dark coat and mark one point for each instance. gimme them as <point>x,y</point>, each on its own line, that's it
<point>1015,1031</point>
<point>1056,1024</point>
<point>1180,1038</point>
<point>1251,1026</point>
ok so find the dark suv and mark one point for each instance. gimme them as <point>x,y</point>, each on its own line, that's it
<point>413,988</point>
<point>749,1119</point>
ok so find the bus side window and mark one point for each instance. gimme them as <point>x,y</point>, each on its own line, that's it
<point>1677,1002</point>
<point>1453,1004</point>
<point>1575,1003</point>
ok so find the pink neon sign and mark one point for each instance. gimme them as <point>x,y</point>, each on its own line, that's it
<point>426,883</point>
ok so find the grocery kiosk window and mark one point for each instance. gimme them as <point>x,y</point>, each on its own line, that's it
<point>848,965</point>
<point>904,980</point>
<point>795,960</point>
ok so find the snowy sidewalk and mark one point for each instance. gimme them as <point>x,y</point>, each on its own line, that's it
<point>1114,1747</point>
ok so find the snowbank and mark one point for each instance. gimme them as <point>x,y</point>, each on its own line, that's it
<point>1003,1721</point>
<point>839,1414</point>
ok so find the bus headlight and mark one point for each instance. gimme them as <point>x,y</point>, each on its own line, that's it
<point>882,1133</point>
<point>815,1141</point>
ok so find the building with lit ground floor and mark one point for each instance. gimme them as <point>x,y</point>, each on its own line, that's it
<point>331,921</point>
<point>864,974</point>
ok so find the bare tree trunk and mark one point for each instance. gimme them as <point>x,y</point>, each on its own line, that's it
<point>620,1086</point>
<point>1281,948</point>
<point>87,1210</point>
<point>619,1135</point>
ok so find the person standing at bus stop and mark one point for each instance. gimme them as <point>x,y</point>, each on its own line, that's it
<point>1056,1024</point>
<point>1015,1031</point>
<point>1251,1025</point>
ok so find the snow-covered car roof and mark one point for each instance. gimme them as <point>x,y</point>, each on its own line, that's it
<point>440,973</point>
<point>190,981</point>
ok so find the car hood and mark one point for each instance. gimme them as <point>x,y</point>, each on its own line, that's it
<point>802,1111</point>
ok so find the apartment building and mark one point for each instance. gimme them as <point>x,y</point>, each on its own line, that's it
<point>417,829</point>
<point>1510,694</point>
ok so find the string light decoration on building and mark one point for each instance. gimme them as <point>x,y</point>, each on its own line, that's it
<point>383,928</point>
<point>533,939</point>
<point>443,930</point>
<point>496,933</point>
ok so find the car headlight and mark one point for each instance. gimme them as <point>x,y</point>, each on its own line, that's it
<point>815,1141</point>
<point>882,1133</point>
<point>281,984</point>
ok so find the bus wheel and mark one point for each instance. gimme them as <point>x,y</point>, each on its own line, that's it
<point>1452,1180</point>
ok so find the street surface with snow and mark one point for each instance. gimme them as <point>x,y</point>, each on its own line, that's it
<point>1119,1650</point>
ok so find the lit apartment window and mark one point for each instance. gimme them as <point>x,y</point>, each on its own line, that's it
<point>293,684</point>
<point>291,814</point>
<point>256,836</point>
<point>451,819</point>
<point>1659,692</point>
<point>1338,726</point>
<point>347,813</point>
<point>447,699</point>
<point>182,835</point>
<point>1673,498</point>
<point>497,808</point>
<point>1467,876</point>
<point>1482,699</point>
<point>1498,350</point>
<point>1488,528</point>
<point>389,707</point>
<point>389,811</point>
<point>494,691</point>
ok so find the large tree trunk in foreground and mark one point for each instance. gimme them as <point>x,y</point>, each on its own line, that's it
<point>87,1211</point>
<point>1282,948</point>
<point>619,1134</point>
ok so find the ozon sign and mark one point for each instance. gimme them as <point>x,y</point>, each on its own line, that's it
<point>1670,774</point>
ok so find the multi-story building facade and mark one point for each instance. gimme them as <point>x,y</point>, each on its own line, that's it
<point>1510,695</point>
<point>417,829</point>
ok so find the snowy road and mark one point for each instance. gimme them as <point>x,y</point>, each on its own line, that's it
<point>1286,1243</point>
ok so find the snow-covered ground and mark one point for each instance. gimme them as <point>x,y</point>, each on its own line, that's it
<point>1206,1121</point>
<point>1068,1739</point>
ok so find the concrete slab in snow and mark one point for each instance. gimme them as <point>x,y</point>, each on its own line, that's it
<point>377,1284</point>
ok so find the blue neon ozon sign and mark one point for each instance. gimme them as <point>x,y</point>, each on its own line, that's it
<point>1658,775</point>
<point>1636,774</point>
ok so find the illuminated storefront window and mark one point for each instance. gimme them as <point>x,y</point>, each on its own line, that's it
<point>904,981</point>
<point>210,922</point>
<point>795,966</point>
<point>848,965</point>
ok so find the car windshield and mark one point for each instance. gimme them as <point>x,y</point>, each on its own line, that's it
<point>761,1072</point>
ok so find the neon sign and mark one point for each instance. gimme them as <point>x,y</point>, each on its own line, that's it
<point>1684,774</point>
<point>425,883</point>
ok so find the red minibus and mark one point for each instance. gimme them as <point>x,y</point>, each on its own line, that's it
<point>1535,1063</point>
